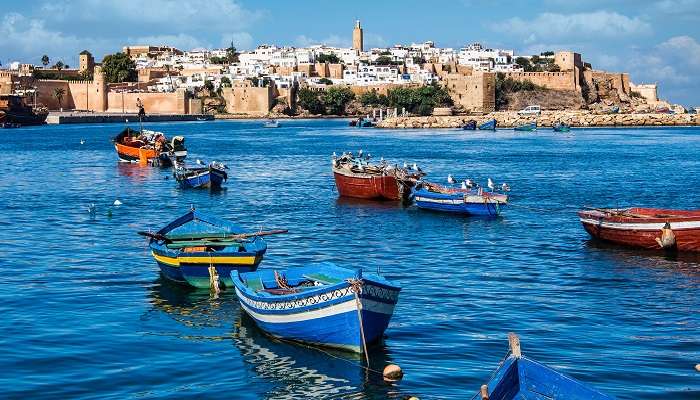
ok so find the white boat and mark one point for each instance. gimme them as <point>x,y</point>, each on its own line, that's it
<point>271,124</point>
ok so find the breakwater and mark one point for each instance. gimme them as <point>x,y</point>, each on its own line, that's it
<point>509,119</point>
<point>99,118</point>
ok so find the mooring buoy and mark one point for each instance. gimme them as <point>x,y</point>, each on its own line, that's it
<point>392,373</point>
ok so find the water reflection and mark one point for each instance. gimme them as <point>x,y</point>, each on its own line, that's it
<point>301,372</point>
<point>349,203</point>
<point>135,172</point>
<point>687,263</point>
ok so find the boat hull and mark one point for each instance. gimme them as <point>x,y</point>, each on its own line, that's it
<point>489,125</point>
<point>459,203</point>
<point>206,179</point>
<point>642,233</point>
<point>327,319</point>
<point>135,154</point>
<point>193,268</point>
<point>370,187</point>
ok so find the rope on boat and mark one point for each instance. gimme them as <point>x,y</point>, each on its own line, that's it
<point>213,276</point>
<point>356,287</point>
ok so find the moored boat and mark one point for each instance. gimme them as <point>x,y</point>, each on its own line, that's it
<point>356,177</point>
<point>519,377</point>
<point>197,249</point>
<point>14,111</point>
<point>148,147</point>
<point>561,127</point>
<point>528,127</point>
<point>649,228</point>
<point>319,304</point>
<point>489,125</point>
<point>208,176</point>
<point>469,126</point>
<point>271,123</point>
<point>463,200</point>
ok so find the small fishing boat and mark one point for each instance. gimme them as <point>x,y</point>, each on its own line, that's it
<point>528,127</point>
<point>353,123</point>
<point>199,249</point>
<point>319,304</point>
<point>466,201</point>
<point>469,126</point>
<point>148,147</point>
<point>205,176</point>
<point>356,177</point>
<point>519,377</point>
<point>561,127</point>
<point>649,228</point>
<point>271,124</point>
<point>614,110</point>
<point>9,125</point>
<point>489,125</point>
<point>366,124</point>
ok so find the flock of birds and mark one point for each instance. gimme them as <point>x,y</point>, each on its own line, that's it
<point>468,184</point>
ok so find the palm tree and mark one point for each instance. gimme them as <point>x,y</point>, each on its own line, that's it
<point>58,93</point>
<point>45,60</point>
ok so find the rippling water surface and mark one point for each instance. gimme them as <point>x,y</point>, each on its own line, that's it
<point>85,314</point>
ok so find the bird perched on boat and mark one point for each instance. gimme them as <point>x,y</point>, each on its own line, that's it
<point>405,165</point>
<point>464,185</point>
<point>450,179</point>
<point>505,187</point>
<point>335,155</point>
<point>469,184</point>
<point>415,167</point>
<point>490,184</point>
<point>198,161</point>
<point>359,154</point>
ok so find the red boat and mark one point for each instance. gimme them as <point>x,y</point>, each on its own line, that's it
<point>649,228</point>
<point>355,177</point>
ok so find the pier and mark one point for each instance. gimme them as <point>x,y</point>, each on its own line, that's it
<point>59,118</point>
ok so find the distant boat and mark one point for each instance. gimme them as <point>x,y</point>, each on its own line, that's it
<point>614,110</point>
<point>201,119</point>
<point>519,377</point>
<point>271,124</point>
<point>352,123</point>
<point>469,126</point>
<point>148,147</point>
<point>528,127</point>
<point>210,176</point>
<point>13,110</point>
<point>320,304</point>
<point>9,125</point>
<point>186,248</point>
<point>649,228</point>
<point>561,127</point>
<point>476,202</point>
<point>489,125</point>
<point>366,124</point>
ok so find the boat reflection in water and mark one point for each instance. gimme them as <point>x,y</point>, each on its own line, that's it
<point>291,371</point>
<point>298,371</point>
<point>687,263</point>
<point>135,173</point>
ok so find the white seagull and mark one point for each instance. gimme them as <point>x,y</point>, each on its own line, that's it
<point>464,185</point>
<point>490,184</point>
<point>469,183</point>
<point>405,165</point>
<point>82,141</point>
<point>450,179</point>
<point>505,187</point>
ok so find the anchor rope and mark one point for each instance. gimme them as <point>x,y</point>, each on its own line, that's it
<point>493,373</point>
<point>356,287</point>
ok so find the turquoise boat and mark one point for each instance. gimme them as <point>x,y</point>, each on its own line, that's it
<point>528,127</point>
<point>561,127</point>
<point>522,378</point>
<point>489,125</point>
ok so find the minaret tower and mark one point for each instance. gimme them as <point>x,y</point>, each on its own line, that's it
<point>357,40</point>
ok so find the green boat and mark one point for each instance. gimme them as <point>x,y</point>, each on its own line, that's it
<point>528,127</point>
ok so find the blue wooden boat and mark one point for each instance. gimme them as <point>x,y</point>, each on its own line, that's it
<point>186,248</point>
<point>210,176</point>
<point>319,304</point>
<point>489,125</point>
<point>561,127</point>
<point>477,202</point>
<point>469,126</point>
<point>521,378</point>
<point>528,127</point>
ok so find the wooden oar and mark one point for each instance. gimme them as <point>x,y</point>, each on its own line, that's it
<point>211,236</point>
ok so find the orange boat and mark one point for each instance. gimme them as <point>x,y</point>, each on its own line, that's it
<point>148,147</point>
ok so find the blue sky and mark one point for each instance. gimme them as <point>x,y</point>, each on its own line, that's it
<point>655,41</point>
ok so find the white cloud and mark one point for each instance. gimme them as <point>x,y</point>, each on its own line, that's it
<point>553,26</point>
<point>684,48</point>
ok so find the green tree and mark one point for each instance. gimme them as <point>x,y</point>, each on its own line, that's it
<point>506,85</point>
<point>232,54</point>
<point>118,68</point>
<point>59,65</point>
<point>218,60</point>
<point>225,82</point>
<point>325,81</point>
<point>547,54</point>
<point>45,60</point>
<point>525,63</point>
<point>535,60</point>
<point>58,93</point>
<point>418,60</point>
<point>310,101</point>
<point>383,60</point>
<point>420,100</point>
<point>209,86</point>
<point>328,58</point>
<point>336,98</point>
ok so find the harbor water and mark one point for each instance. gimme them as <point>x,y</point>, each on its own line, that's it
<point>85,313</point>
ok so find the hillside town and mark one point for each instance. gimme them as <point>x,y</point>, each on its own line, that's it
<point>274,80</point>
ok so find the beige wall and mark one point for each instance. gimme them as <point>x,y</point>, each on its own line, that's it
<point>648,91</point>
<point>475,92</point>
<point>552,80</point>
<point>245,98</point>
<point>160,103</point>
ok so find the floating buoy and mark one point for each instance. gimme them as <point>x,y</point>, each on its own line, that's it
<point>392,373</point>
<point>668,238</point>
<point>117,203</point>
<point>697,367</point>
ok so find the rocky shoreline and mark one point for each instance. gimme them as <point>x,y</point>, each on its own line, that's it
<point>510,119</point>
